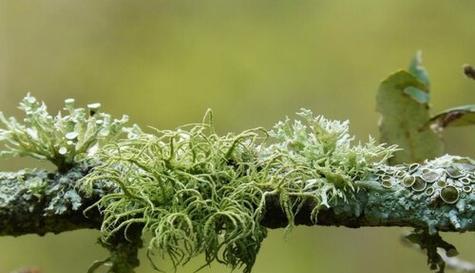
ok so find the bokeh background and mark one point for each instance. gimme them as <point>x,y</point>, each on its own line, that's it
<point>253,62</point>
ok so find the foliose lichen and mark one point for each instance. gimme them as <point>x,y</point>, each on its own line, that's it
<point>66,139</point>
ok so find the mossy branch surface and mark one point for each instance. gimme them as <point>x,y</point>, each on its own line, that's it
<point>198,192</point>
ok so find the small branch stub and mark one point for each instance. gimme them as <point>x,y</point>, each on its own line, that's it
<point>469,71</point>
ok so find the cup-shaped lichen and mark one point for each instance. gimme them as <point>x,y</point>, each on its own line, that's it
<point>454,172</point>
<point>419,184</point>
<point>429,191</point>
<point>408,181</point>
<point>449,194</point>
<point>413,167</point>
<point>430,176</point>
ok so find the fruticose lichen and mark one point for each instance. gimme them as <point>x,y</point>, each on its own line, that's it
<point>198,192</point>
<point>65,139</point>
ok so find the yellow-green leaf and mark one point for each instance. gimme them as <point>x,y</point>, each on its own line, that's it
<point>403,119</point>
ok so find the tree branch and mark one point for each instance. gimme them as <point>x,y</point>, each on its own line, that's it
<point>40,202</point>
<point>198,192</point>
<point>37,201</point>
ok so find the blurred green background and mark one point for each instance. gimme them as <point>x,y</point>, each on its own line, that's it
<point>255,61</point>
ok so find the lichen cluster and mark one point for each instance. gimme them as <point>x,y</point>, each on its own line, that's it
<point>199,192</point>
<point>314,158</point>
<point>29,197</point>
<point>436,195</point>
<point>445,179</point>
<point>66,139</point>
<point>195,192</point>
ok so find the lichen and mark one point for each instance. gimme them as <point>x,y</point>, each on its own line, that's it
<point>66,139</point>
<point>57,192</point>
<point>313,158</point>
<point>199,192</point>
<point>36,200</point>
<point>441,189</point>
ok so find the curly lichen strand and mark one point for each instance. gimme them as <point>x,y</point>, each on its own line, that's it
<point>218,185</point>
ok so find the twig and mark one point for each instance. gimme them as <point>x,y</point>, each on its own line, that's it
<point>469,71</point>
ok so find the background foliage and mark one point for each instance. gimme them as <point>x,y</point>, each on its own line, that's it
<point>165,62</point>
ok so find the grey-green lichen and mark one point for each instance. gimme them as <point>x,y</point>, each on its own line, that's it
<point>66,139</point>
<point>199,192</point>
<point>440,190</point>
<point>37,186</point>
<point>39,201</point>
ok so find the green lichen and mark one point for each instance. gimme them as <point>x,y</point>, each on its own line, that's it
<point>442,189</point>
<point>313,158</point>
<point>65,139</point>
<point>194,191</point>
<point>55,193</point>
<point>39,201</point>
<point>197,192</point>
